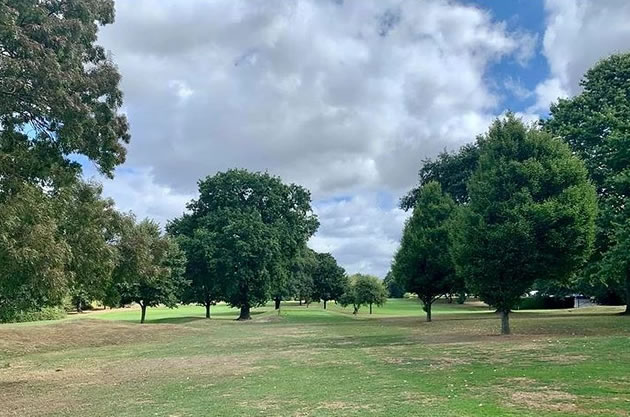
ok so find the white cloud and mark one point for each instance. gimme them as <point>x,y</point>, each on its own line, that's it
<point>361,233</point>
<point>136,191</point>
<point>344,97</point>
<point>578,34</point>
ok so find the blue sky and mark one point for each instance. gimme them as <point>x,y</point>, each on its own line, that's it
<point>343,97</point>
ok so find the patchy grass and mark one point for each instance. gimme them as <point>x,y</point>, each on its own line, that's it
<point>310,362</point>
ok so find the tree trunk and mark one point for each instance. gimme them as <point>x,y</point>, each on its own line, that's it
<point>356,310</point>
<point>143,307</point>
<point>325,301</point>
<point>427,307</point>
<point>627,312</point>
<point>245,315</point>
<point>370,308</point>
<point>208,309</point>
<point>505,322</point>
<point>79,309</point>
<point>300,301</point>
<point>277,300</point>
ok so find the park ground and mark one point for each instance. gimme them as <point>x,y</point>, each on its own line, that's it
<point>310,362</point>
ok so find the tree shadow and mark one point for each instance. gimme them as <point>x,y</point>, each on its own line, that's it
<point>175,320</point>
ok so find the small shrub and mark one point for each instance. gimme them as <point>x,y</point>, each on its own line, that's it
<point>545,303</point>
<point>46,313</point>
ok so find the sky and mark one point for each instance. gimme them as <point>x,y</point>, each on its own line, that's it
<point>344,97</point>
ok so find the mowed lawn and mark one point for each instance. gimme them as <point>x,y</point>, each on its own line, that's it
<point>310,362</point>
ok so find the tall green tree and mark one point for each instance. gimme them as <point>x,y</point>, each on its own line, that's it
<point>90,226</point>
<point>201,261</point>
<point>394,288</point>
<point>596,125</point>
<point>150,267</point>
<point>257,225</point>
<point>33,254</point>
<point>530,216</point>
<point>329,279</point>
<point>423,264</point>
<point>59,91</point>
<point>303,268</point>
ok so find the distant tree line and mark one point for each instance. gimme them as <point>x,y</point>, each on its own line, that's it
<point>540,207</point>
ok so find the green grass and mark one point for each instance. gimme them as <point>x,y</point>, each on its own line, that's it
<point>310,362</point>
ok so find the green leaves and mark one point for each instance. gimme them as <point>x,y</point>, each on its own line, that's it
<point>596,125</point>
<point>255,226</point>
<point>33,254</point>
<point>329,279</point>
<point>150,266</point>
<point>363,290</point>
<point>58,90</point>
<point>531,214</point>
<point>423,263</point>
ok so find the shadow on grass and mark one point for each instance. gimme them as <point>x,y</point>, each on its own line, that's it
<point>175,320</point>
<point>227,315</point>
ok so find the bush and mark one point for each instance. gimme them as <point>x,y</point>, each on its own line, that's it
<point>544,303</point>
<point>46,313</point>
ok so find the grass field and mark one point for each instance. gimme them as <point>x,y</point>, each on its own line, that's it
<point>311,362</point>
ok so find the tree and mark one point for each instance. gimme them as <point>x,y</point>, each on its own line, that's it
<point>329,279</point>
<point>198,243</point>
<point>350,296</point>
<point>370,290</point>
<point>58,91</point>
<point>531,215</point>
<point>90,225</point>
<point>33,254</point>
<point>303,268</point>
<point>451,170</point>
<point>150,266</point>
<point>283,285</point>
<point>394,289</point>
<point>423,264</point>
<point>596,125</point>
<point>257,225</point>
<point>363,290</point>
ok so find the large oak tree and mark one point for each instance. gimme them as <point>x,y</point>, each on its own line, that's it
<point>59,91</point>
<point>256,224</point>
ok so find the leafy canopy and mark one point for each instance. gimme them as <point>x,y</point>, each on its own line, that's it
<point>329,279</point>
<point>150,266</point>
<point>363,290</point>
<point>423,263</point>
<point>59,91</point>
<point>531,214</point>
<point>256,225</point>
<point>596,125</point>
<point>33,254</point>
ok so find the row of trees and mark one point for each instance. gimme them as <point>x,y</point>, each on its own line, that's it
<point>529,207</point>
<point>243,241</point>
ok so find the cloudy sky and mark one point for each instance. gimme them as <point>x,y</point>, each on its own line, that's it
<point>345,97</point>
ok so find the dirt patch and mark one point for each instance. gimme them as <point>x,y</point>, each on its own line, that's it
<point>19,405</point>
<point>544,399</point>
<point>342,405</point>
<point>82,333</point>
<point>562,359</point>
<point>526,393</point>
